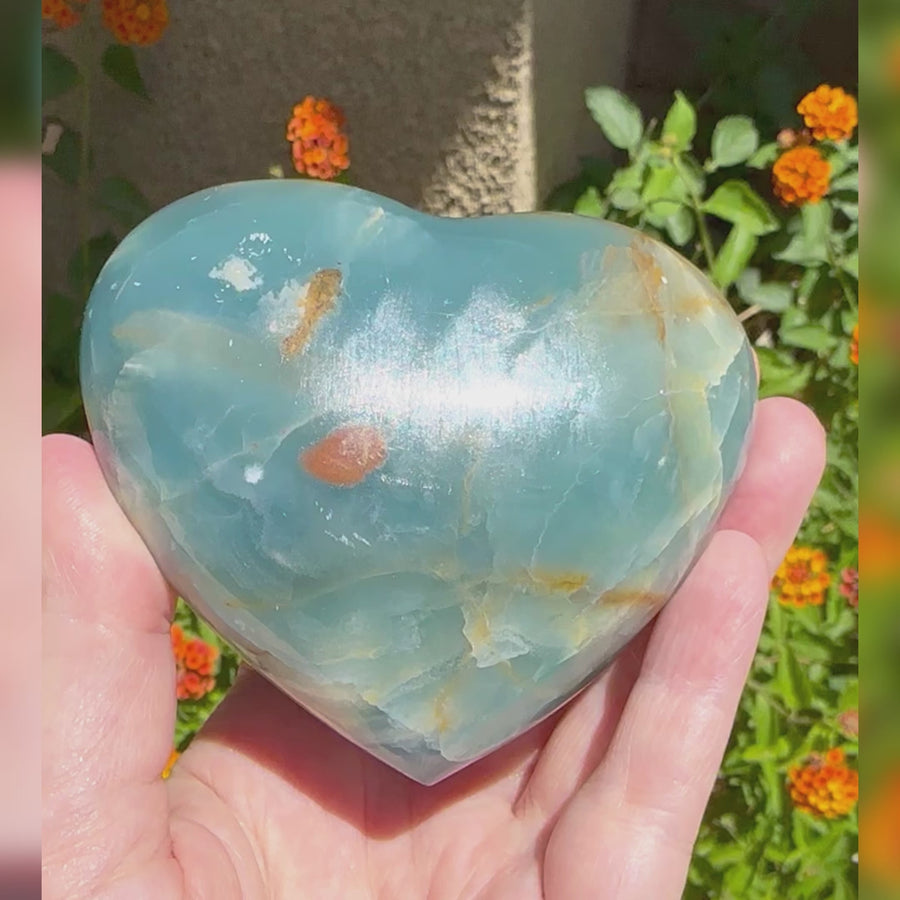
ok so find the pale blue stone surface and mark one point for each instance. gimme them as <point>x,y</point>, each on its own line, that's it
<point>563,405</point>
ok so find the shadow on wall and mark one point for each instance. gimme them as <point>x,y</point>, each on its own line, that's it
<point>742,56</point>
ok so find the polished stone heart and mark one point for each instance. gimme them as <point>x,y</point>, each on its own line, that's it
<point>428,475</point>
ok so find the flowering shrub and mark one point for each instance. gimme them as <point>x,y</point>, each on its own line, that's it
<point>205,668</point>
<point>195,662</point>
<point>774,223</point>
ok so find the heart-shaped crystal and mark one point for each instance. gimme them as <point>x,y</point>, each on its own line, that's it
<point>428,475</point>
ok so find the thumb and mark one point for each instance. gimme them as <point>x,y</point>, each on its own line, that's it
<point>108,682</point>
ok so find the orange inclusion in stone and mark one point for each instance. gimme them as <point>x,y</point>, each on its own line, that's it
<point>345,456</point>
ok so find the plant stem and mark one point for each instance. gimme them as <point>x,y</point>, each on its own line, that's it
<point>749,312</point>
<point>705,239</point>
<point>840,275</point>
<point>702,230</point>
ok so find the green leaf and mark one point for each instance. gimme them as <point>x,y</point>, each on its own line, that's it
<point>736,202</point>
<point>734,140</point>
<point>680,226</point>
<point>792,680</point>
<point>737,879</point>
<point>807,337</point>
<point>733,255</point>
<point>122,199</point>
<point>764,156</point>
<point>849,698</point>
<point>774,296</point>
<point>849,181</point>
<point>691,173</point>
<point>119,63</point>
<point>808,244</point>
<point>774,789</point>
<point>58,73</point>
<point>88,260</point>
<point>850,264</point>
<point>680,124</point>
<point>763,720</point>
<point>624,189</point>
<point>619,118</point>
<point>663,194</point>
<point>590,204</point>
<point>780,378</point>
<point>850,210</point>
<point>767,752</point>
<point>64,157</point>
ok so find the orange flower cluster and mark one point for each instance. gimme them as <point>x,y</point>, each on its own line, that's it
<point>318,145</point>
<point>62,12</point>
<point>854,345</point>
<point>801,579</point>
<point>195,663</point>
<point>830,113</point>
<point>800,176</point>
<point>825,787</point>
<point>136,21</point>
<point>173,758</point>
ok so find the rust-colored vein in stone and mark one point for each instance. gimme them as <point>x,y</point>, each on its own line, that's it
<point>479,631</point>
<point>321,293</point>
<point>632,597</point>
<point>345,456</point>
<point>540,304</point>
<point>651,278</point>
<point>690,305</point>
<point>557,581</point>
<point>442,705</point>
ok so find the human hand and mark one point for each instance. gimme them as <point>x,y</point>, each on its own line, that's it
<point>603,799</point>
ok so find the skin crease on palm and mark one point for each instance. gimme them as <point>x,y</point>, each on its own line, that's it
<point>603,800</point>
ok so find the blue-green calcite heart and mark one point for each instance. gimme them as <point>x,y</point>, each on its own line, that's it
<point>428,475</point>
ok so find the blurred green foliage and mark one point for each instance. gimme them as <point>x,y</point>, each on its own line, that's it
<point>20,85</point>
<point>879,53</point>
<point>111,199</point>
<point>792,275</point>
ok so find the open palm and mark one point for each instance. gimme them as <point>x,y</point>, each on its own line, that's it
<point>602,800</point>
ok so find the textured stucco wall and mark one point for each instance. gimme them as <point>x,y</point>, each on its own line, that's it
<point>460,108</point>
